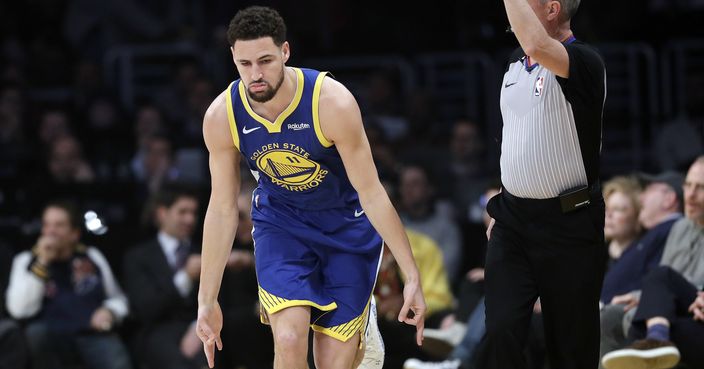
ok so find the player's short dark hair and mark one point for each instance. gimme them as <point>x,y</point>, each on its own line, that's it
<point>256,22</point>
<point>74,217</point>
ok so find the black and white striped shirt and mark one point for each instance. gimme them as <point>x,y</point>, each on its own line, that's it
<point>552,126</point>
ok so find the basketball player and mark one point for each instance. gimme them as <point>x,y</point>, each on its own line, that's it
<point>316,210</point>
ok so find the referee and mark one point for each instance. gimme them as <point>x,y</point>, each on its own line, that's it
<point>547,238</point>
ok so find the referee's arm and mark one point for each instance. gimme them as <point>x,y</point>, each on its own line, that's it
<point>534,39</point>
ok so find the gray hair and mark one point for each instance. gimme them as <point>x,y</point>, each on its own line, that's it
<point>569,7</point>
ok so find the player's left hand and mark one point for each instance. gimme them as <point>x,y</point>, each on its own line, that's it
<point>208,327</point>
<point>413,310</point>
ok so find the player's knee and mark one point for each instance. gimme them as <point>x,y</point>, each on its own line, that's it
<point>290,341</point>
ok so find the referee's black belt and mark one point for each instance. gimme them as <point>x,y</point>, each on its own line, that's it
<point>568,201</point>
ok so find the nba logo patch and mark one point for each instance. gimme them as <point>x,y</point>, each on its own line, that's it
<point>539,84</point>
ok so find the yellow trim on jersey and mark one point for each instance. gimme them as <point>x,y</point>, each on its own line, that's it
<point>231,116</point>
<point>275,126</point>
<point>316,112</point>
<point>343,332</point>
<point>273,304</point>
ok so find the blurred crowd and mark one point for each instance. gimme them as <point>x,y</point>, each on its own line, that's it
<point>101,202</point>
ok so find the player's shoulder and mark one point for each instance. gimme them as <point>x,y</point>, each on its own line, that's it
<point>216,126</point>
<point>218,108</point>
<point>335,97</point>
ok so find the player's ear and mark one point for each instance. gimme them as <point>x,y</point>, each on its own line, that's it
<point>285,51</point>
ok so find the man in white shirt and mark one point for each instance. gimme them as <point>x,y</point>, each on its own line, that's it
<point>70,296</point>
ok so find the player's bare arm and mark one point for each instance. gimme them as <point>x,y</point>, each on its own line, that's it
<point>341,123</point>
<point>534,39</point>
<point>220,222</point>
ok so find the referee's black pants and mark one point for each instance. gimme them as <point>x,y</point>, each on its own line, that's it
<point>537,250</point>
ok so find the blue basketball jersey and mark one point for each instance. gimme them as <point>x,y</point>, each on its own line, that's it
<point>291,159</point>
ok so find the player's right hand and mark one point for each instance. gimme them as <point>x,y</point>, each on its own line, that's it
<point>488,229</point>
<point>208,327</point>
<point>413,310</point>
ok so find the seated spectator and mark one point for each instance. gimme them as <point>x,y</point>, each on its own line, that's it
<point>240,297</point>
<point>471,287</point>
<point>155,165</point>
<point>466,165</point>
<point>14,148</point>
<point>660,206</point>
<point>69,296</point>
<point>160,278</point>
<point>621,226</point>
<point>388,292</point>
<point>53,125</point>
<point>66,163</point>
<point>669,320</point>
<point>107,139</point>
<point>149,122</point>
<point>420,212</point>
<point>381,100</point>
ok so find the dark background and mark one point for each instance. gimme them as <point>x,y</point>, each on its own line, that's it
<point>426,65</point>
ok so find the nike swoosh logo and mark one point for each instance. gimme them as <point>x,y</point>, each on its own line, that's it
<point>248,131</point>
<point>358,213</point>
<point>510,84</point>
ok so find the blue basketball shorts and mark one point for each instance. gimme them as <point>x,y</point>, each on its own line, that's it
<point>327,260</point>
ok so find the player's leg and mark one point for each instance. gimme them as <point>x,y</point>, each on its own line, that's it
<point>290,330</point>
<point>372,355</point>
<point>349,280</point>
<point>289,284</point>
<point>331,353</point>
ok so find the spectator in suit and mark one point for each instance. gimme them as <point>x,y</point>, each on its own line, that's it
<point>420,212</point>
<point>160,277</point>
<point>69,295</point>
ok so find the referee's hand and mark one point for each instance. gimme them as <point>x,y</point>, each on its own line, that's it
<point>208,327</point>
<point>488,229</point>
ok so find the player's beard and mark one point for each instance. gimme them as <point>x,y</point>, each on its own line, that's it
<point>269,93</point>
